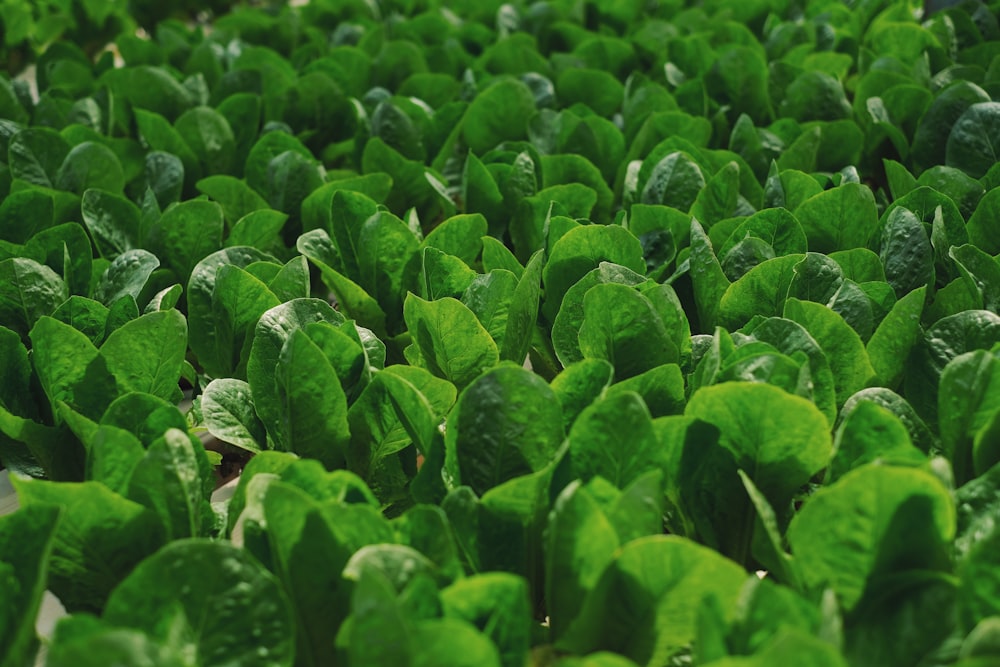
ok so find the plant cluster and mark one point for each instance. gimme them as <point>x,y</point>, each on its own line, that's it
<point>573,332</point>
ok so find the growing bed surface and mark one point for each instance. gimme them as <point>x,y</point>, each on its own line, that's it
<point>575,333</point>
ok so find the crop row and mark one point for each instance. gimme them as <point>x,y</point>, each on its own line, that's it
<point>573,333</point>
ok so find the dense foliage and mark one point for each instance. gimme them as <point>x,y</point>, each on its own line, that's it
<point>573,333</point>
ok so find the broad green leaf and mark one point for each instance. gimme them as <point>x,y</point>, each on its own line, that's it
<point>981,271</point>
<point>311,402</point>
<point>70,369</point>
<point>582,249</point>
<point>35,155</point>
<point>188,233</point>
<point>645,604</point>
<point>906,252</point>
<point>566,327</point>
<point>228,411</point>
<point>580,543</point>
<point>869,433</point>
<point>443,275</point>
<point>497,604</point>
<point>312,576</point>
<point>579,384</point>
<point>615,319</point>
<point>969,395</point>
<point>273,330</point>
<point>661,389</point>
<point>317,247</point>
<point>203,335</point>
<point>707,277</point>
<point>112,220</point>
<point>946,339</point>
<point>890,345</point>
<point>505,424</point>
<point>26,540</point>
<point>209,136</point>
<point>175,480</point>
<point>449,338</point>
<point>236,197</point>
<point>982,226</point>
<point>497,114</point>
<point>90,164</point>
<point>838,219</point>
<point>674,181</point>
<point>191,589</point>
<point>101,536</point>
<point>874,522</point>
<point>28,291</point>
<point>238,301</point>
<point>385,247</point>
<point>390,415</point>
<point>779,440</point>
<point>972,144</point>
<point>931,138</point>
<point>761,291</point>
<point>127,274</point>
<point>613,438</point>
<point>852,370</point>
<point>84,641</point>
<point>147,354</point>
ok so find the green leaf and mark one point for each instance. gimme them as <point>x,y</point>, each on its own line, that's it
<point>127,275</point>
<point>982,226</point>
<point>238,301</point>
<point>273,329</point>
<point>566,327</point>
<point>236,197</point>
<point>352,299</point>
<point>390,415</point>
<point>101,536</point>
<point>191,589</point>
<point>645,604</point>
<point>505,424</point>
<point>890,345</point>
<point>614,438</point>
<point>852,370</point>
<point>312,406</point>
<point>778,439</point>
<point>209,136</point>
<point>313,576</point>
<point>201,288</point>
<point>35,154</point>
<point>972,146</point>
<point>761,291</point>
<point>228,411</point>
<point>452,343</point>
<point>674,181</point>
<point>839,219</point>
<point>112,221</point>
<point>147,354</point>
<point>582,249</point>
<point>968,397</point>
<point>906,252</point>
<point>873,523</point>
<point>580,543</point>
<point>497,114</point>
<point>26,540</point>
<point>869,433</point>
<point>91,165</point>
<point>175,480</point>
<point>497,604</point>
<point>70,369</point>
<point>28,291</point>
<point>615,319</point>
<point>930,141</point>
<point>187,234</point>
<point>981,271</point>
